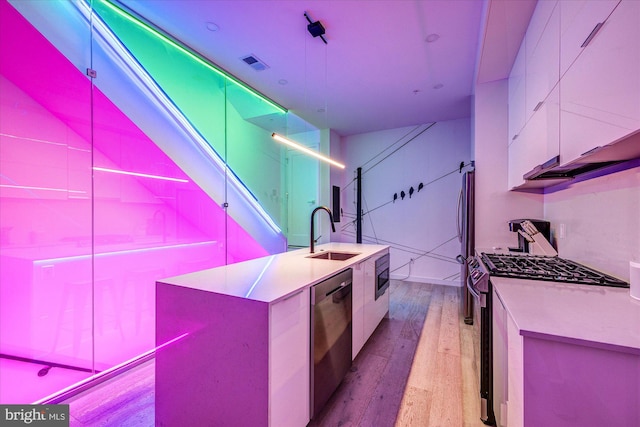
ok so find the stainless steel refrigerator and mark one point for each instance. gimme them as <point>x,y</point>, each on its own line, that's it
<point>466,231</point>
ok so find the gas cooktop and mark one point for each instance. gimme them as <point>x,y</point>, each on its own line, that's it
<point>549,268</point>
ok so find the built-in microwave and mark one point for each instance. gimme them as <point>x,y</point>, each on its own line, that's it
<point>382,275</point>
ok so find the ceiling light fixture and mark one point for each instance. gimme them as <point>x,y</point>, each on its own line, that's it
<point>306,150</point>
<point>316,29</point>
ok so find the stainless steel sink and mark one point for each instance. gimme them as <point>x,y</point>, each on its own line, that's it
<point>334,256</point>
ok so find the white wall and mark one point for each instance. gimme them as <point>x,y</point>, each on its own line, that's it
<point>601,218</point>
<point>413,226</point>
<point>495,205</point>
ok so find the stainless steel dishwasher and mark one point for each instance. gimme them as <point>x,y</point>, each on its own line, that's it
<point>331,337</point>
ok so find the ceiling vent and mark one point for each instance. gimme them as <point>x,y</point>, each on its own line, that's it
<point>255,63</point>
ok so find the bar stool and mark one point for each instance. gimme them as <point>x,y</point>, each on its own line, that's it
<point>85,306</point>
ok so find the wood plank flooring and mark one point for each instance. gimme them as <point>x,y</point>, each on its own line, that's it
<point>417,369</point>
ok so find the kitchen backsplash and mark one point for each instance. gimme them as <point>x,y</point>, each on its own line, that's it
<point>601,221</point>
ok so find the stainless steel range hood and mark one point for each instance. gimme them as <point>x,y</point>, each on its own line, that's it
<point>553,172</point>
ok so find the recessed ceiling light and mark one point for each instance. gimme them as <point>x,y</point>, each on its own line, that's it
<point>438,86</point>
<point>212,26</point>
<point>283,81</point>
<point>432,38</point>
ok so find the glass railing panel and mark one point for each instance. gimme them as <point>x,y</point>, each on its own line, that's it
<point>197,90</point>
<point>188,82</point>
<point>252,154</point>
<point>158,199</point>
<point>46,287</point>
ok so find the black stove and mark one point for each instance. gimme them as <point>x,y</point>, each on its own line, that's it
<point>549,268</point>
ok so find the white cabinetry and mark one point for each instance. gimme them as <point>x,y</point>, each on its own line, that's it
<point>289,360</point>
<point>565,367</point>
<point>367,312</point>
<point>600,101</point>
<point>517,160</point>
<point>357,312</point>
<point>516,96</point>
<point>500,366</point>
<point>515,375</point>
<point>374,309</point>
<point>538,140</point>
<point>533,95</point>
<point>578,20</point>
<point>581,78</point>
<point>507,367</point>
<point>542,45</point>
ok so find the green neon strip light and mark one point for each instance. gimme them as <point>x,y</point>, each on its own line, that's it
<point>191,54</point>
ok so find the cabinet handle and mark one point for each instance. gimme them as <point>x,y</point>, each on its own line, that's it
<point>593,150</point>
<point>537,107</point>
<point>592,34</point>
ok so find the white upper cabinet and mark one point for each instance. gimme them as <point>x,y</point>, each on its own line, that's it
<point>518,164</point>
<point>533,95</point>
<point>516,96</point>
<point>544,132</point>
<point>537,142</point>
<point>581,76</point>
<point>542,46</point>
<point>600,92</point>
<point>580,20</point>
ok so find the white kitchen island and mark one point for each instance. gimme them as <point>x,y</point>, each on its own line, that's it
<point>234,341</point>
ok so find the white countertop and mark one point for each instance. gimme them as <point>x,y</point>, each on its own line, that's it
<point>597,316</point>
<point>269,279</point>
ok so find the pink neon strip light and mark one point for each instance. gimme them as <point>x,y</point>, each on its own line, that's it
<point>6,135</point>
<point>142,175</point>
<point>107,371</point>
<point>27,187</point>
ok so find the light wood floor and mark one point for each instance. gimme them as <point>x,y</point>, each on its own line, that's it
<point>417,369</point>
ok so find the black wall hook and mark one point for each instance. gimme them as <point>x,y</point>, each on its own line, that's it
<point>402,194</point>
<point>410,192</point>
<point>420,186</point>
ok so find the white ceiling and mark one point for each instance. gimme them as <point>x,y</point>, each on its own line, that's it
<point>377,71</point>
